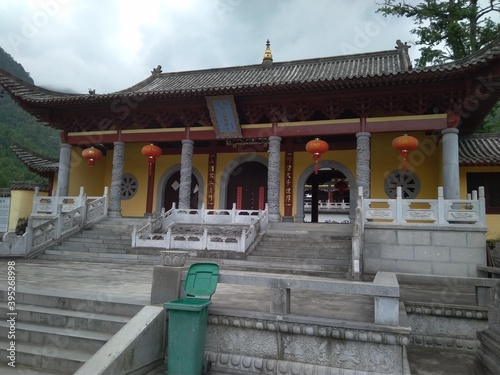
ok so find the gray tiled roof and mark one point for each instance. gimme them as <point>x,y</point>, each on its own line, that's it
<point>37,163</point>
<point>351,71</point>
<point>480,150</point>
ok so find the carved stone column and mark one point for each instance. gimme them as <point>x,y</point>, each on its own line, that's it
<point>186,171</point>
<point>451,175</point>
<point>273,178</point>
<point>363,162</point>
<point>63,171</point>
<point>115,197</point>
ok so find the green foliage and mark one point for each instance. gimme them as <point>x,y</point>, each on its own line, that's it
<point>18,125</point>
<point>448,30</point>
<point>491,123</point>
<point>22,223</point>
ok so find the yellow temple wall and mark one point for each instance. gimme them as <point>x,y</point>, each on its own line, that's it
<point>21,205</point>
<point>422,161</point>
<point>80,174</point>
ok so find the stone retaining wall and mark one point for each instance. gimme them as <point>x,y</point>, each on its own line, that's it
<point>424,249</point>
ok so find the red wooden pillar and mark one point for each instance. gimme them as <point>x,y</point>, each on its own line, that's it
<point>151,188</point>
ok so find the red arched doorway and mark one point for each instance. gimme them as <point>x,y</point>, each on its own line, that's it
<point>247,186</point>
<point>171,193</point>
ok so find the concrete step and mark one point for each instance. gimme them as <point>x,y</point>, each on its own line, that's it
<point>57,334</point>
<point>299,262</point>
<point>104,235</point>
<point>46,357</point>
<point>67,318</point>
<point>346,250</point>
<point>74,303</point>
<point>69,338</point>
<point>5,369</point>
<point>100,257</point>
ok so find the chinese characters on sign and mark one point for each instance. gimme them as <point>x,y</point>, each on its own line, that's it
<point>224,116</point>
<point>288,183</point>
<point>211,181</point>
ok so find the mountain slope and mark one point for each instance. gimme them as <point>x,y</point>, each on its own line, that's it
<point>17,125</point>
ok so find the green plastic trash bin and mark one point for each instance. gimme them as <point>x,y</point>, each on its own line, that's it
<point>187,321</point>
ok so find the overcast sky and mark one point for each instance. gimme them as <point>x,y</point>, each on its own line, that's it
<point>109,45</point>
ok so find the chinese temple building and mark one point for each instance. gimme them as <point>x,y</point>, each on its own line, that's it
<point>238,135</point>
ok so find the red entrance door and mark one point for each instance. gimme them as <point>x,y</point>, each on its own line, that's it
<point>247,187</point>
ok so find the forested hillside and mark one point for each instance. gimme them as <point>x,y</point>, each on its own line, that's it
<point>17,125</point>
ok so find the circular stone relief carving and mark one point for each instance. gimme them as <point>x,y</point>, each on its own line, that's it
<point>129,186</point>
<point>409,182</point>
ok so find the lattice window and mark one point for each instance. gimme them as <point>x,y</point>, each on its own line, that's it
<point>129,186</point>
<point>409,182</point>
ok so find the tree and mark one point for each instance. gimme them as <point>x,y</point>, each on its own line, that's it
<point>491,123</point>
<point>447,30</point>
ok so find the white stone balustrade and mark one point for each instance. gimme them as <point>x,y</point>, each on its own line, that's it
<point>427,211</point>
<point>158,232</point>
<point>328,206</point>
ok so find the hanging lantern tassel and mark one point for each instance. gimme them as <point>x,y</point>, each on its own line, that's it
<point>405,144</point>
<point>92,155</point>
<point>316,147</point>
<point>151,152</point>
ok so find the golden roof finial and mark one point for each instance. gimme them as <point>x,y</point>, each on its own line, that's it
<point>268,55</point>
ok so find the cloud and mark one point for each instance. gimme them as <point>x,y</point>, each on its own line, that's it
<point>74,45</point>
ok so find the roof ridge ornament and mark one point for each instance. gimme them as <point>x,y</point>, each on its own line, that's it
<point>91,91</point>
<point>156,71</point>
<point>267,61</point>
<point>404,57</point>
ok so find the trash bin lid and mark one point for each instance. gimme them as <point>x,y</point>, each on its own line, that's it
<point>201,280</point>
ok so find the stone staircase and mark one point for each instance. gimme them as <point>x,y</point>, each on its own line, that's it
<point>108,241</point>
<point>56,335</point>
<point>293,248</point>
<point>305,249</point>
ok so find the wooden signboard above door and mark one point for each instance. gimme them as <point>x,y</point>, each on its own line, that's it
<point>224,116</point>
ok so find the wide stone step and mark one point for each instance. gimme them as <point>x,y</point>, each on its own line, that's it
<point>316,237</point>
<point>5,369</point>
<point>46,357</point>
<point>69,338</point>
<point>101,241</point>
<point>299,246</point>
<point>313,264</point>
<point>310,255</point>
<point>100,257</point>
<point>80,304</point>
<point>67,318</point>
<point>104,235</point>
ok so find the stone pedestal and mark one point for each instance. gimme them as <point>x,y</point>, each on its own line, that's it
<point>167,278</point>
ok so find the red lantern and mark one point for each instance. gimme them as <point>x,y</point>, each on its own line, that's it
<point>341,186</point>
<point>316,147</point>
<point>404,144</point>
<point>151,152</point>
<point>92,155</point>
